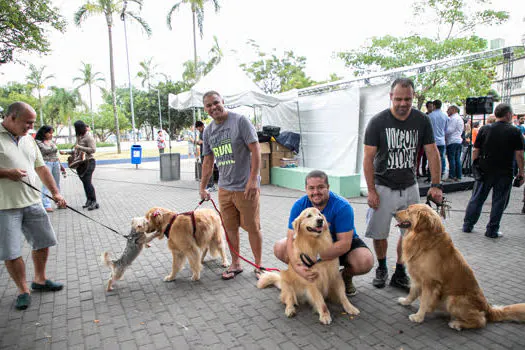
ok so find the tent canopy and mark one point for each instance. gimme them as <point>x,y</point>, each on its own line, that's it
<point>235,87</point>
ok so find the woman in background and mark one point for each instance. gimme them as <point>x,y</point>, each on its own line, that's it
<point>86,143</point>
<point>44,140</point>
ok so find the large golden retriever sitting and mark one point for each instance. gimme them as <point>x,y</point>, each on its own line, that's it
<point>188,241</point>
<point>311,237</point>
<point>441,276</point>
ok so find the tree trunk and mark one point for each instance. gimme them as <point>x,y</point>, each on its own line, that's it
<point>91,111</point>
<point>113,92</point>
<point>69,139</point>
<point>40,108</point>
<point>195,47</point>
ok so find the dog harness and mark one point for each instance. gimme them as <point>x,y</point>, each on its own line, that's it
<point>174,217</point>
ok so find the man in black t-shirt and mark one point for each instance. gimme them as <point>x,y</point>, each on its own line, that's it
<point>200,128</point>
<point>494,150</point>
<point>392,140</point>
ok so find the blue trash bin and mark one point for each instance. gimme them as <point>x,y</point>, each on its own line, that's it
<point>136,154</point>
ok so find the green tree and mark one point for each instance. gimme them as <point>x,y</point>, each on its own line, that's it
<point>105,122</point>
<point>109,8</point>
<point>275,74</point>
<point>36,80</point>
<point>197,11</point>
<point>65,102</point>
<point>216,55</point>
<point>454,19</point>
<point>89,78</point>
<point>24,25</point>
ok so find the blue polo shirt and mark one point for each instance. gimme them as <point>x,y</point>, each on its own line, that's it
<point>338,212</point>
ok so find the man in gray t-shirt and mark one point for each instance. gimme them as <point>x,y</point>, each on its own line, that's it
<point>231,141</point>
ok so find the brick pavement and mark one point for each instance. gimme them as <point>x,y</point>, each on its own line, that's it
<point>145,312</point>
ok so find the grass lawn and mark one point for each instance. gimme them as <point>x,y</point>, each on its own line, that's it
<point>125,154</point>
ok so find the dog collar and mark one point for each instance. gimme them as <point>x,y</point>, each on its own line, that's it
<point>308,261</point>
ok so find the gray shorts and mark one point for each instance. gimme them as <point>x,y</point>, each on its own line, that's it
<point>390,201</point>
<point>32,222</point>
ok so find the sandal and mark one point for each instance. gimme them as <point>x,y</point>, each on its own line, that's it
<point>257,273</point>
<point>230,274</point>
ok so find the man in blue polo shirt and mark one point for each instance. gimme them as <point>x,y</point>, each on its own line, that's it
<point>353,254</point>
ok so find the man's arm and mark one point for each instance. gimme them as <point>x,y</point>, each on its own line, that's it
<point>475,153</point>
<point>368,168</point>
<point>340,247</point>
<point>207,171</point>
<point>434,163</point>
<point>251,186</point>
<point>296,264</point>
<point>47,179</point>
<point>12,174</point>
<point>519,160</point>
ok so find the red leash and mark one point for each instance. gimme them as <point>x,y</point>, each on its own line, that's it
<point>230,245</point>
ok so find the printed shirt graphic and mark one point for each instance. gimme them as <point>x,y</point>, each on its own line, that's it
<point>397,145</point>
<point>229,143</point>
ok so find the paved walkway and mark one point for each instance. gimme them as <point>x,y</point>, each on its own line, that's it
<point>145,312</point>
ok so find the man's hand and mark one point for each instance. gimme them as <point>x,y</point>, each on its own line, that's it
<point>373,199</point>
<point>59,200</point>
<point>251,189</point>
<point>205,195</point>
<point>436,193</point>
<point>306,272</point>
<point>16,174</point>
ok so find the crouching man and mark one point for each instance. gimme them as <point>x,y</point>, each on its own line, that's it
<point>353,254</point>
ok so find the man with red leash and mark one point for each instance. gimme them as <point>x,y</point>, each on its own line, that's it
<point>231,141</point>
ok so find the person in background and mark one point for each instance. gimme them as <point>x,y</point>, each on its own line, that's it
<point>496,146</point>
<point>21,210</point>
<point>453,139</point>
<point>86,143</point>
<point>44,140</point>
<point>422,156</point>
<point>161,141</point>
<point>439,125</point>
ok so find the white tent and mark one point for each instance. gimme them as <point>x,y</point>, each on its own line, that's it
<point>231,82</point>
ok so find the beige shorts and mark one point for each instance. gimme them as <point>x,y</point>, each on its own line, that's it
<point>238,212</point>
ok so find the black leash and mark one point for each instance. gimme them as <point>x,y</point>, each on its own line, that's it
<point>442,208</point>
<point>79,212</point>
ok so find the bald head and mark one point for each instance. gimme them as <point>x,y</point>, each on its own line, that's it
<point>20,118</point>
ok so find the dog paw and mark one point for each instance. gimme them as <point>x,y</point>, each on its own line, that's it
<point>416,318</point>
<point>455,325</point>
<point>169,278</point>
<point>195,277</point>
<point>403,301</point>
<point>325,318</point>
<point>289,311</point>
<point>352,310</point>
<point>225,263</point>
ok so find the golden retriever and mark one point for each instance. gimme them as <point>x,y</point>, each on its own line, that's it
<point>441,277</point>
<point>311,237</point>
<point>187,241</point>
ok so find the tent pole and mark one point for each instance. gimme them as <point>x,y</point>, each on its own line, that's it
<point>300,133</point>
<point>169,124</point>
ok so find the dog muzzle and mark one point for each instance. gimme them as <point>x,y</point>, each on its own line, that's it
<point>404,224</point>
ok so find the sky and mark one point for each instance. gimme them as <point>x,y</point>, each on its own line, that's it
<point>315,30</point>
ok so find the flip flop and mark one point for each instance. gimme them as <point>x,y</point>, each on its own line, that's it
<point>230,274</point>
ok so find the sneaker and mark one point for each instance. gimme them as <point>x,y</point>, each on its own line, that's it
<point>23,301</point>
<point>494,234</point>
<point>400,280</point>
<point>349,285</point>
<point>381,277</point>
<point>467,229</point>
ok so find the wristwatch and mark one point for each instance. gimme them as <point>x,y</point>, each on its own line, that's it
<point>440,186</point>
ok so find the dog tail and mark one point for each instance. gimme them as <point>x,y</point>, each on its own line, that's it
<point>105,259</point>
<point>515,312</point>
<point>269,279</point>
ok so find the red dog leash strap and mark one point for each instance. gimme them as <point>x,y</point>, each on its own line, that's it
<point>233,250</point>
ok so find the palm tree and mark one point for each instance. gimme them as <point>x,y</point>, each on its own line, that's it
<point>148,72</point>
<point>89,78</point>
<point>108,8</point>
<point>197,10</point>
<point>65,101</point>
<point>35,80</point>
<point>216,55</point>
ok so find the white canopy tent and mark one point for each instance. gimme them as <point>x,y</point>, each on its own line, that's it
<point>233,84</point>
